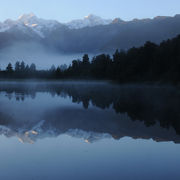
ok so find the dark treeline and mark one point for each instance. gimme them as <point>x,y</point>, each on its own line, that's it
<point>149,63</point>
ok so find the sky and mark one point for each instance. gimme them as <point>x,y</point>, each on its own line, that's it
<point>67,10</point>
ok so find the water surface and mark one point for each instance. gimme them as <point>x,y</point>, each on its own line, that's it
<point>95,130</point>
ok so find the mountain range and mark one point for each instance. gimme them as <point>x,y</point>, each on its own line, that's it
<point>89,35</point>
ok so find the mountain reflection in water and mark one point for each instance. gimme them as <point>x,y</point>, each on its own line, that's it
<point>92,111</point>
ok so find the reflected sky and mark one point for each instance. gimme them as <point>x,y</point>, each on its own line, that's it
<point>65,157</point>
<point>89,130</point>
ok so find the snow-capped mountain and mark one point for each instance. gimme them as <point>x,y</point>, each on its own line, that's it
<point>88,21</point>
<point>89,35</point>
<point>30,22</point>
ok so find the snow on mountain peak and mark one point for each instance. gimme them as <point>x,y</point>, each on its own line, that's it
<point>92,16</point>
<point>40,26</point>
<point>26,16</point>
<point>31,21</point>
<point>88,21</point>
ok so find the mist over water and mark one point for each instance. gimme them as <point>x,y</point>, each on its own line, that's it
<point>36,53</point>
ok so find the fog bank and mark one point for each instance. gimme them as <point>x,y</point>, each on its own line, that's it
<point>31,52</point>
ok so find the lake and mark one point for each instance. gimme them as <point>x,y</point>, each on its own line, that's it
<point>89,130</point>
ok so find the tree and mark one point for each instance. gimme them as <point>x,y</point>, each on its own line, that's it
<point>22,66</point>
<point>58,72</point>
<point>53,68</point>
<point>116,56</point>
<point>85,59</point>
<point>17,66</point>
<point>9,68</point>
<point>33,67</point>
<point>63,67</point>
<point>27,68</point>
<point>101,65</point>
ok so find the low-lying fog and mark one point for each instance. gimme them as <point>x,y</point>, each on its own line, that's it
<point>35,53</point>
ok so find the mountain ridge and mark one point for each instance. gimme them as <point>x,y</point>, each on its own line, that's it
<point>91,20</point>
<point>89,35</point>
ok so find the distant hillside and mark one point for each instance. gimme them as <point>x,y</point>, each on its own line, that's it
<point>90,35</point>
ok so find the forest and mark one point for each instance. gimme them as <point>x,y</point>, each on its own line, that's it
<point>149,63</point>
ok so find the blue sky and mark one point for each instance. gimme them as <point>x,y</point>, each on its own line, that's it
<point>66,10</point>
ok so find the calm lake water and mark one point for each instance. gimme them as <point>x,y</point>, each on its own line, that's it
<point>89,131</point>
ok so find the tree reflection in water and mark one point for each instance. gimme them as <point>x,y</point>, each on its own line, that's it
<point>136,108</point>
